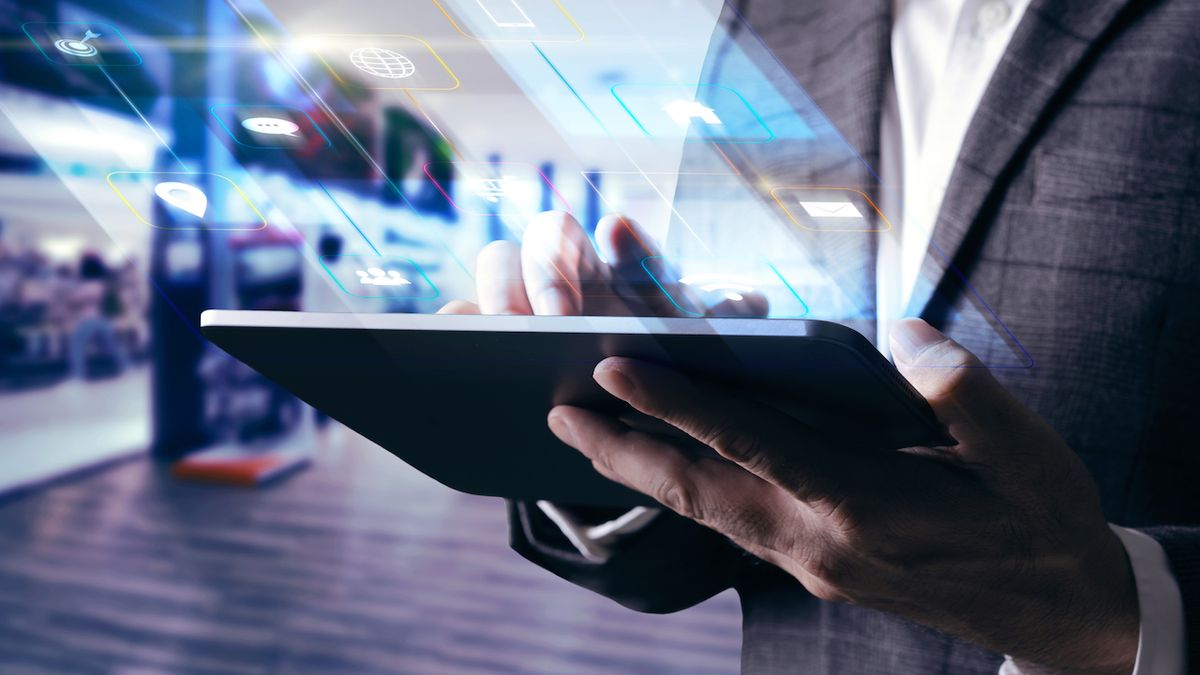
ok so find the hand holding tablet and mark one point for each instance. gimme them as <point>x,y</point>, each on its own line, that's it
<point>464,398</point>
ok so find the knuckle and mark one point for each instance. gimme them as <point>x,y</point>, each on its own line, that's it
<point>741,447</point>
<point>677,493</point>
<point>737,445</point>
<point>836,571</point>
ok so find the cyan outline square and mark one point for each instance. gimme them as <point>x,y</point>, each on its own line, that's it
<point>87,24</point>
<point>290,109</point>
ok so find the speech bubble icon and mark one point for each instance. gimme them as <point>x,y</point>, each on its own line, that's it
<point>271,126</point>
<point>183,196</point>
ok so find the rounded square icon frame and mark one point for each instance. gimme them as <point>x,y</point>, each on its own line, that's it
<point>84,64</point>
<point>136,214</point>
<point>730,140</point>
<point>775,194</point>
<point>340,36</point>
<point>570,19</point>
<point>213,110</point>
<point>437,293</point>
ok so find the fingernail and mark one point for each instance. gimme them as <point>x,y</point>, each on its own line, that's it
<point>561,428</point>
<point>615,382</point>
<point>910,337</point>
<point>553,302</point>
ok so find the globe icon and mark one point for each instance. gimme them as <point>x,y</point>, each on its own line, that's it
<point>383,63</point>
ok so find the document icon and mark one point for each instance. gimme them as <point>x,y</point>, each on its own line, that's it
<point>831,209</point>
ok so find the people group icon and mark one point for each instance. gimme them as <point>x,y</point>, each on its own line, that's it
<point>374,276</point>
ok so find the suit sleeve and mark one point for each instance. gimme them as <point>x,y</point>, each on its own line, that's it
<point>1182,546</point>
<point>669,565</point>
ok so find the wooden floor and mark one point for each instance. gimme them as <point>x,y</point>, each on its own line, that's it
<point>357,565</point>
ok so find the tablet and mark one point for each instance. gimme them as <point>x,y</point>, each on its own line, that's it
<point>464,399</point>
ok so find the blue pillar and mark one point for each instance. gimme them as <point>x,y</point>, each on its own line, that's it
<point>494,224</point>
<point>547,192</point>
<point>591,207</point>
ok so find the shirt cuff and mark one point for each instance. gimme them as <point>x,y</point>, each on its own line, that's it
<point>1162,645</point>
<point>597,542</point>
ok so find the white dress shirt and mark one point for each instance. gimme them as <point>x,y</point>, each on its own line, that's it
<point>944,53</point>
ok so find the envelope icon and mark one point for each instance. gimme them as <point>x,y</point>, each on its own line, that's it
<point>841,209</point>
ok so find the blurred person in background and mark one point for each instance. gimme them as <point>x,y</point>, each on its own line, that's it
<point>95,303</point>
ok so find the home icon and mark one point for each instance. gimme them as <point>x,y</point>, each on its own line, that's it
<point>684,111</point>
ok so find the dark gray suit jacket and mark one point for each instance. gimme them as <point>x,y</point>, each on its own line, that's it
<point>1075,209</point>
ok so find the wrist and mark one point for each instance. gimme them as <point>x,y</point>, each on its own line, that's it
<point>1101,636</point>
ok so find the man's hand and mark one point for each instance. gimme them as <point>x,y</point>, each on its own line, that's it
<point>556,271</point>
<point>999,540</point>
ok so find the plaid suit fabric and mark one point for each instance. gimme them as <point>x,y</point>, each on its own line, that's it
<point>1073,210</point>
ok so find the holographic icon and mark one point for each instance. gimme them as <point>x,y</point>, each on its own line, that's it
<point>692,112</point>
<point>841,209</point>
<point>271,126</point>
<point>492,190</point>
<point>506,13</point>
<point>495,189</point>
<point>393,62</point>
<point>380,277</point>
<point>374,276</point>
<point>179,203</point>
<point>684,111</point>
<point>183,196</point>
<point>830,209</point>
<point>80,48</point>
<point>383,63</point>
<point>730,288</point>
<point>86,44</point>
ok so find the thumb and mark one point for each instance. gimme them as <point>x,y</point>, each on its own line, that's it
<point>975,408</point>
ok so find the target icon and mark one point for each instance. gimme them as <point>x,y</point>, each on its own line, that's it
<point>80,48</point>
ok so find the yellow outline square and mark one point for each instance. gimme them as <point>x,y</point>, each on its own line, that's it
<point>815,188</point>
<point>317,51</point>
<point>570,19</point>
<point>137,214</point>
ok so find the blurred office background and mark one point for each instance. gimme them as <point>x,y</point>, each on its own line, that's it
<point>113,559</point>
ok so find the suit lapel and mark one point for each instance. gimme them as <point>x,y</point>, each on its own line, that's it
<point>1052,43</point>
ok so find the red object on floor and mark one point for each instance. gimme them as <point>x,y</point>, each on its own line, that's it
<point>238,466</point>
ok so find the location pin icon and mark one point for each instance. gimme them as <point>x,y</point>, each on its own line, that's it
<point>183,196</point>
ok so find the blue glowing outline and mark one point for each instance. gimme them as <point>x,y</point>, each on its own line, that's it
<point>579,98</point>
<point>349,219</point>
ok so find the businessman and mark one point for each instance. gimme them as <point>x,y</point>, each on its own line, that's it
<point>1056,146</point>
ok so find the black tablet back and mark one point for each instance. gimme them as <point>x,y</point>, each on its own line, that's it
<point>464,398</point>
